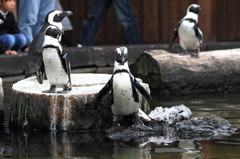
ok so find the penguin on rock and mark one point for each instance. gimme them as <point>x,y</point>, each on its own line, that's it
<point>123,85</point>
<point>35,59</point>
<point>55,61</point>
<point>190,35</point>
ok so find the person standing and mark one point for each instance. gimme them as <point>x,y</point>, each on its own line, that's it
<point>11,40</point>
<point>96,14</point>
<point>31,16</point>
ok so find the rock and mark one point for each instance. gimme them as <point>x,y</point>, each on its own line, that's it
<point>208,126</point>
<point>176,124</point>
<point>32,109</point>
<point>172,73</point>
<point>171,115</point>
<point>1,101</point>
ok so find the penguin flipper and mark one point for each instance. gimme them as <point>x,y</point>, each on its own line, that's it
<point>102,93</point>
<point>40,73</point>
<point>144,93</point>
<point>35,54</point>
<point>68,68</point>
<point>175,35</point>
<point>199,34</point>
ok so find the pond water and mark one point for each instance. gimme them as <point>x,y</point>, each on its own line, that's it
<point>91,145</point>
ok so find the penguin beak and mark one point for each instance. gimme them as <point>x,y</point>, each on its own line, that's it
<point>200,9</point>
<point>67,13</point>
<point>122,60</point>
<point>59,18</point>
<point>60,31</point>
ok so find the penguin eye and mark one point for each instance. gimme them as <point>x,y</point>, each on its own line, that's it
<point>58,14</point>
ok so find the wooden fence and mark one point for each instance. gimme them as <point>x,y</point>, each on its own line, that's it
<point>157,19</point>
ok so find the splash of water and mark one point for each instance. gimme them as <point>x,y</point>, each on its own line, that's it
<point>66,114</point>
<point>53,112</point>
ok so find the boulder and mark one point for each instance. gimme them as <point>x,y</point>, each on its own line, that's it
<point>172,73</point>
<point>1,101</point>
<point>31,109</point>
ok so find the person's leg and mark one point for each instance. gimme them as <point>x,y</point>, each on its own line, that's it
<point>7,40</point>
<point>20,41</point>
<point>91,24</point>
<point>127,19</point>
<point>45,7</point>
<point>28,11</point>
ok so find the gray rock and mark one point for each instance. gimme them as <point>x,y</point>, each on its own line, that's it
<point>172,73</point>
<point>171,115</point>
<point>174,124</point>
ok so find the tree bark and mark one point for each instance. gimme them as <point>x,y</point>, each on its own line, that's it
<point>172,73</point>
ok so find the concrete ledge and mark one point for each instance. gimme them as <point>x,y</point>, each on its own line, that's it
<point>100,55</point>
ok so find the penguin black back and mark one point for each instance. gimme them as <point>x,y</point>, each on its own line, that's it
<point>34,64</point>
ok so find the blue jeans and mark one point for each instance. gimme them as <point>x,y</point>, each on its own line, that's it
<point>96,14</point>
<point>13,41</point>
<point>31,16</point>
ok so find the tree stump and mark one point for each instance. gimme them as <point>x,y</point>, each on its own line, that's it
<point>172,73</point>
<point>32,109</point>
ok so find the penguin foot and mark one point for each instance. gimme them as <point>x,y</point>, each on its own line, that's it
<point>65,90</point>
<point>194,54</point>
<point>51,90</point>
<point>62,92</point>
<point>48,91</point>
<point>183,54</point>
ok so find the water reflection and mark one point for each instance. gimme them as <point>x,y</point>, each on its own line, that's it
<point>96,145</point>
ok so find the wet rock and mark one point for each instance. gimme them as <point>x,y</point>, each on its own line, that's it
<point>1,101</point>
<point>171,115</point>
<point>31,109</point>
<point>204,126</point>
<point>176,124</point>
<point>171,73</point>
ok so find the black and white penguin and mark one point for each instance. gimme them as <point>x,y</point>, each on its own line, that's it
<point>190,35</point>
<point>55,61</point>
<point>35,63</point>
<point>122,84</point>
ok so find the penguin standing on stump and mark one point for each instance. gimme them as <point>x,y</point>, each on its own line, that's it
<point>190,35</point>
<point>35,61</point>
<point>122,84</point>
<point>55,62</point>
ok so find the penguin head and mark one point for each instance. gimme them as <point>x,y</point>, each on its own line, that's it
<point>194,8</point>
<point>121,55</point>
<point>56,16</point>
<point>53,31</point>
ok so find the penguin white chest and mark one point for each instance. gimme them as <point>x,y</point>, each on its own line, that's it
<point>123,101</point>
<point>187,35</point>
<point>56,75</point>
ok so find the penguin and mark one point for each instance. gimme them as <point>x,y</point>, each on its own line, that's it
<point>190,35</point>
<point>35,62</point>
<point>123,85</point>
<point>55,61</point>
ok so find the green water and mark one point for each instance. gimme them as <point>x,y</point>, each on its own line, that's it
<point>97,145</point>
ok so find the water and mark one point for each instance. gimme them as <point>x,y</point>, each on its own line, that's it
<point>91,145</point>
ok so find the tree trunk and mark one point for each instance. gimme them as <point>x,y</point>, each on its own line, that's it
<point>172,73</point>
<point>32,109</point>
